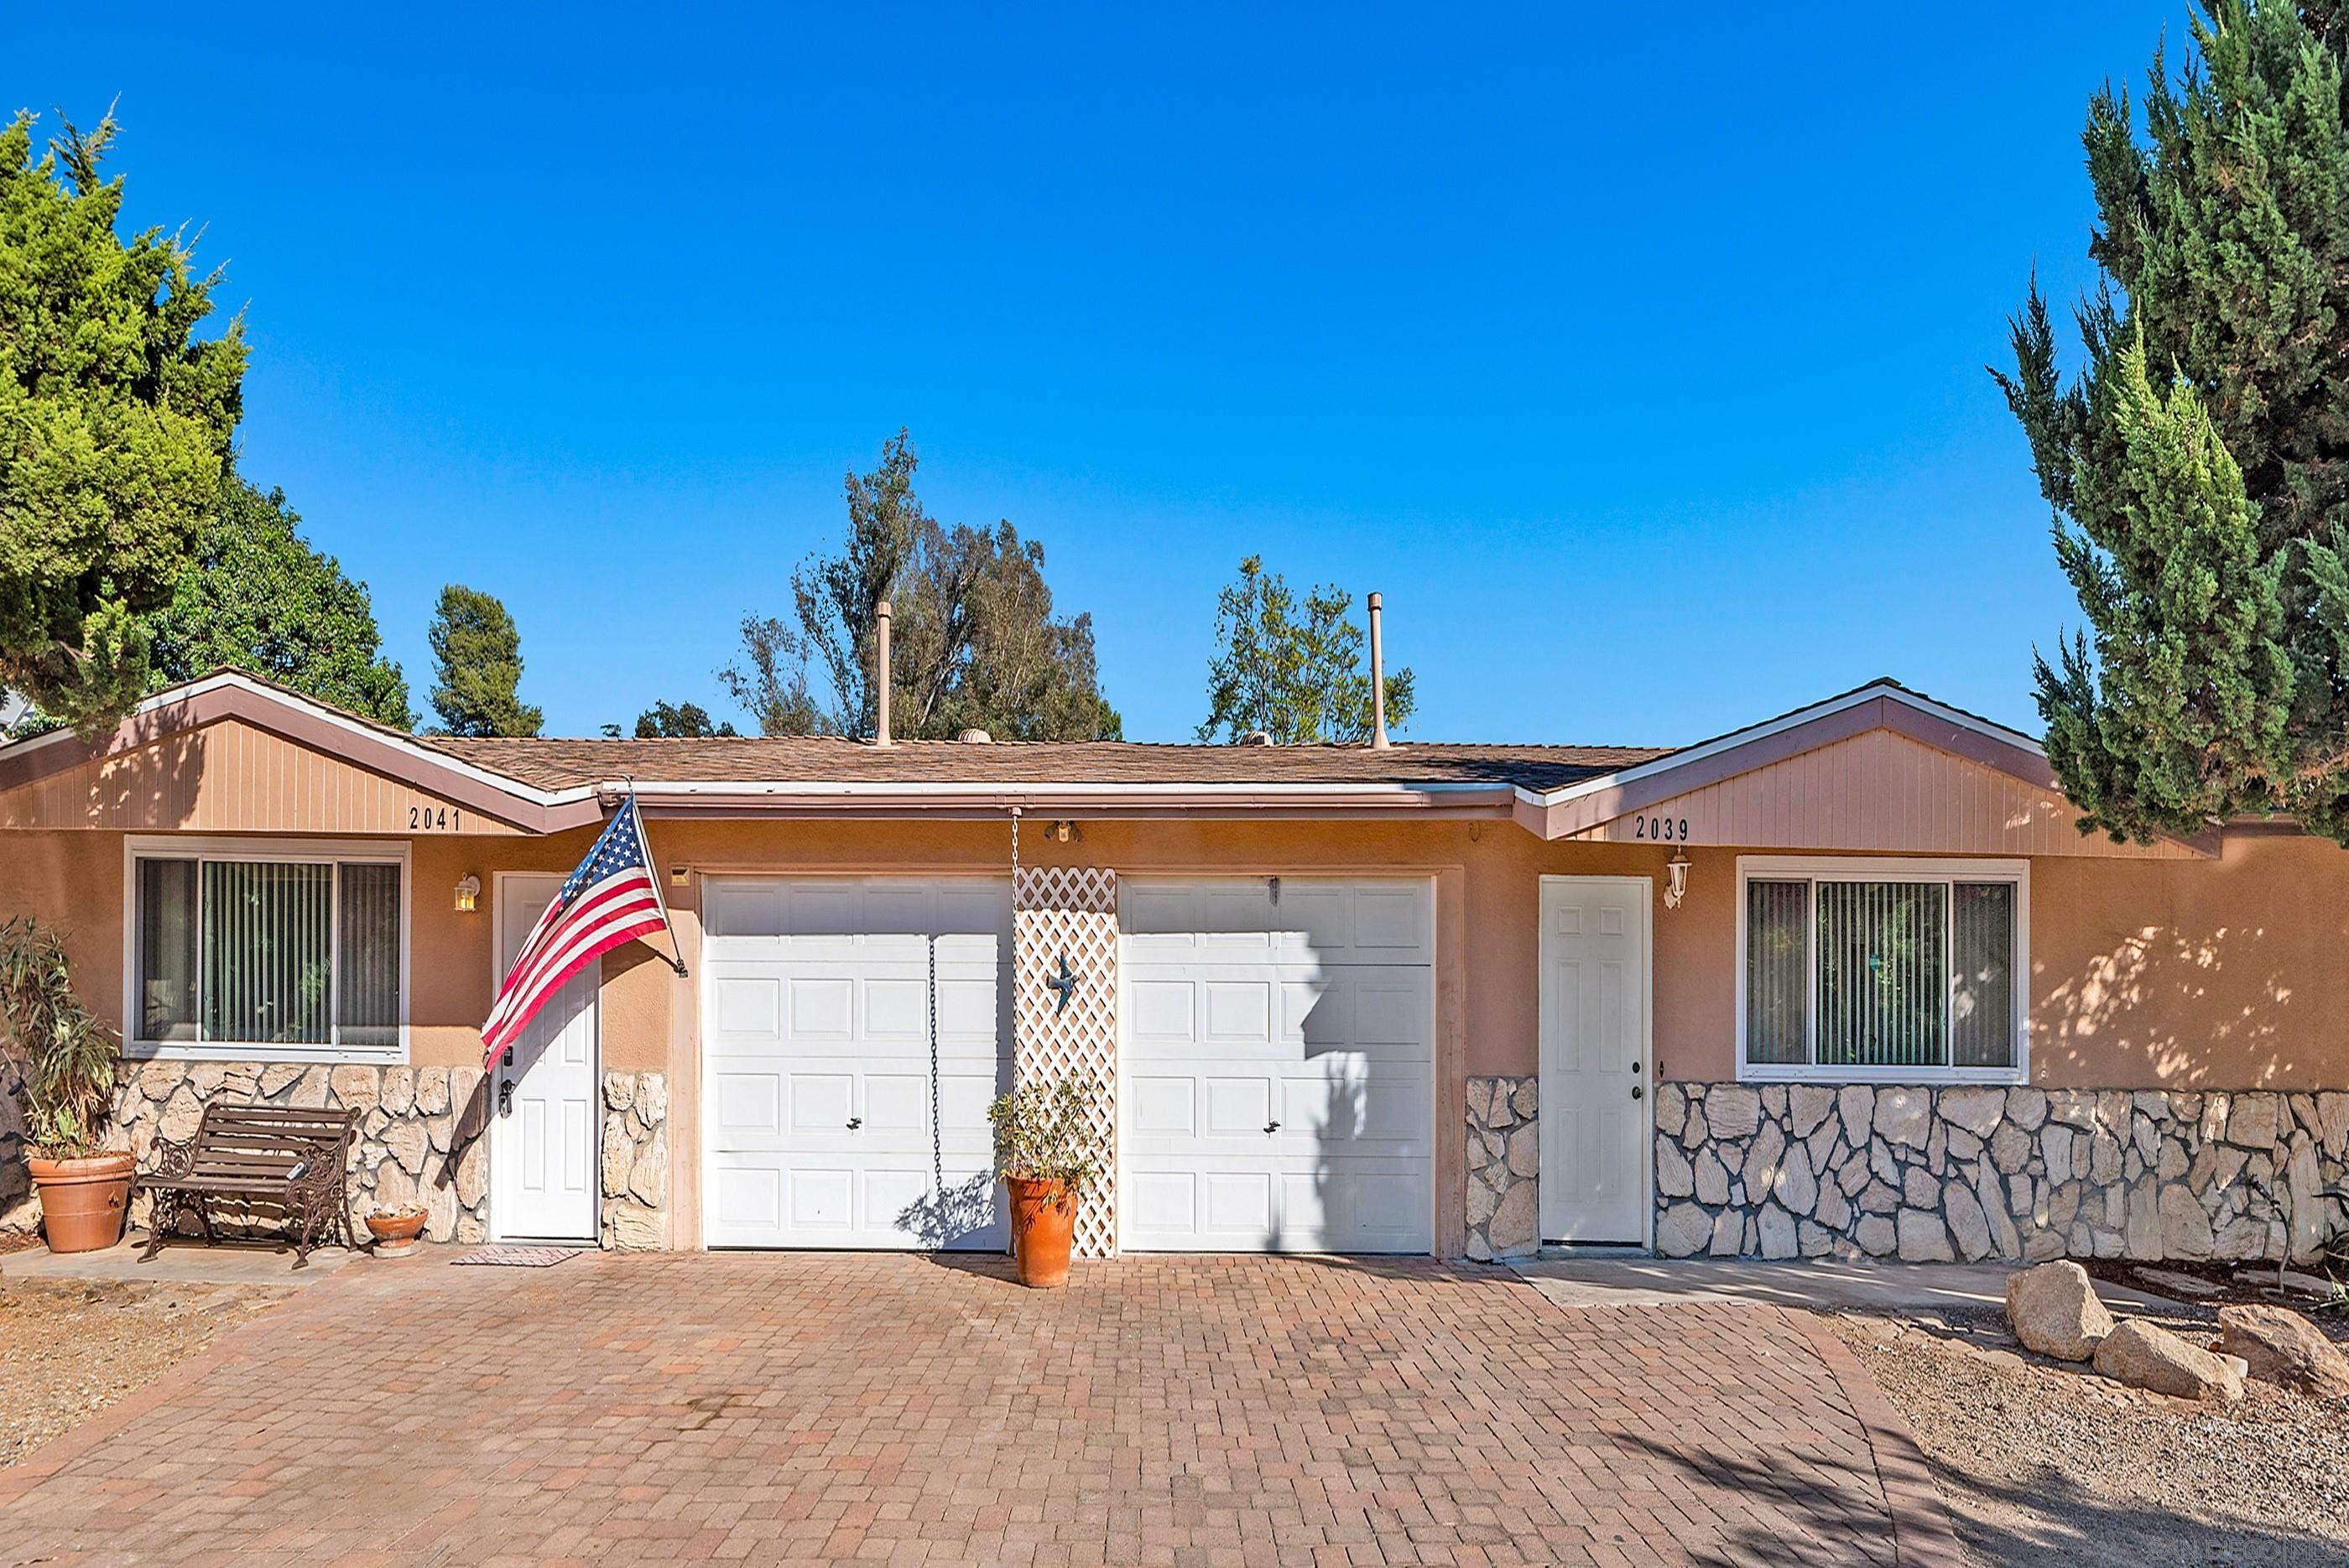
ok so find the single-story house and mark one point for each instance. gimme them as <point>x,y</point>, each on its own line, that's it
<point>1849,981</point>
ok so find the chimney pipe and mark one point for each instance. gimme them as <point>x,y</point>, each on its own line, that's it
<point>881,676</point>
<point>1379,741</point>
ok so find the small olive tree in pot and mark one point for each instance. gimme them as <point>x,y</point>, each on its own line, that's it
<point>67,1060</point>
<point>1050,1160</point>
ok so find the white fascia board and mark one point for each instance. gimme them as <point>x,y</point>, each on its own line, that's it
<point>231,681</point>
<point>903,790</point>
<point>1737,738</point>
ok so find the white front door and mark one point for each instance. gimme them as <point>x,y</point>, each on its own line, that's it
<point>1595,1072</point>
<point>854,1030</point>
<point>1279,1076</point>
<point>543,1137</point>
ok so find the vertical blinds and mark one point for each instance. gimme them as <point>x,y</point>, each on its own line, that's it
<point>1982,992</point>
<point>269,952</point>
<point>1881,974</point>
<point>1777,971</point>
<point>268,939</point>
<point>367,985</point>
<point>1883,967</point>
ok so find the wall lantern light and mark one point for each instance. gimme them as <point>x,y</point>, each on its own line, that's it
<point>1065,832</point>
<point>1676,872</point>
<point>468,893</point>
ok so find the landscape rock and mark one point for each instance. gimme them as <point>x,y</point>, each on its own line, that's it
<point>2054,1310</point>
<point>2146,1355</point>
<point>2281,1346</point>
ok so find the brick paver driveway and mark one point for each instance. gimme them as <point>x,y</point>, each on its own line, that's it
<point>822,1407</point>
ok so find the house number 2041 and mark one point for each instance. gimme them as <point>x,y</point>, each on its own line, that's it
<point>1671,829</point>
<point>426,816</point>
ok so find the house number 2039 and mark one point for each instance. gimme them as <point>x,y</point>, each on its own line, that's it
<point>1670,829</point>
<point>429,816</point>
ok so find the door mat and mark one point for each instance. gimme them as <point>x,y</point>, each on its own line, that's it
<point>517,1257</point>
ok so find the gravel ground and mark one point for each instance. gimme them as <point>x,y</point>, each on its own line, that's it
<point>2046,1464</point>
<point>69,1348</point>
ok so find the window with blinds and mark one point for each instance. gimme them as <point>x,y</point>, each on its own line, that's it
<point>298,957</point>
<point>1888,975</point>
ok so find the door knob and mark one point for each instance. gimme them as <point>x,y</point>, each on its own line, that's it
<point>505,1096</point>
<point>1637,1092</point>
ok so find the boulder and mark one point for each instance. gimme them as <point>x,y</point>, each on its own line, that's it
<point>2054,1310</point>
<point>2143,1356</point>
<point>2283,1347</point>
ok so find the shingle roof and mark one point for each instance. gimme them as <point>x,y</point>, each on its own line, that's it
<point>566,764</point>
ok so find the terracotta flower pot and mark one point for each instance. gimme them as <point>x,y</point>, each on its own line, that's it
<point>1043,1218</point>
<point>84,1202</point>
<point>395,1234</point>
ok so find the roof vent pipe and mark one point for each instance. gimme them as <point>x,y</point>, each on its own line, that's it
<point>881,674</point>
<point>1379,741</point>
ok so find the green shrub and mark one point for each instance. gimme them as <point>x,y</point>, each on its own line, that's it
<point>65,1056</point>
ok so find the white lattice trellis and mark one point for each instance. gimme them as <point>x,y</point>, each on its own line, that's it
<point>1070,912</point>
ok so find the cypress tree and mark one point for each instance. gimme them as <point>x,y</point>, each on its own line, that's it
<point>2199,463</point>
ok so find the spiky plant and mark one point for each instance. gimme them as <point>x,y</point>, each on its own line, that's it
<point>66,1056</point>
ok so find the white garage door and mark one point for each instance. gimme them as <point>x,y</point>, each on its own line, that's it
<point>822,1068</point>
<point>1279,1090</point>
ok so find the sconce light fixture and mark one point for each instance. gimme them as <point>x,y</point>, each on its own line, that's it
<point>1065,833</point>
<point>1676,872</point>
<point>469,892</point>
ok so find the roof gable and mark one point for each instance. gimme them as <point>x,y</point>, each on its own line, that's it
<point>1880,769</point>
<point>233,754</point>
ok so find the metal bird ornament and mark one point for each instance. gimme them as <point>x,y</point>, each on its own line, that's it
<point>1064,982</point>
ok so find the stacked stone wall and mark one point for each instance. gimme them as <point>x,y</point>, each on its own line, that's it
<point>1503,1168</point>
<point>422,1140</point>
<point>635,1162</point>
<point>1940,1173</point>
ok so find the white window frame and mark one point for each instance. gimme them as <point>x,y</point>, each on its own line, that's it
<point>275,851</point>
<point>1886,869</point>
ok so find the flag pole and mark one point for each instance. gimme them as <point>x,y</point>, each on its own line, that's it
<point>644,848</point>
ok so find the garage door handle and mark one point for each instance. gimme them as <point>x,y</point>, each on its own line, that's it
<point>855,1122</point>
<point>1272,1127</point>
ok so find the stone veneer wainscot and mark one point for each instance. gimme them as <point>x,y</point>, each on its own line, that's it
<point>1930,1174</point>
<point>421,1140</point>
<point>1503,1168</point>
<point>635,1162</point>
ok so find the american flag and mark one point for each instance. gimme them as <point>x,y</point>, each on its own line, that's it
<point>611,898</point>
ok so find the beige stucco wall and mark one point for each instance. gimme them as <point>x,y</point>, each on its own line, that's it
<point>2223,974</point>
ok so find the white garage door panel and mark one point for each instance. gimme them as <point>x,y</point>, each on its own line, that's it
<point>1278,1076</point>
<point>820,1064</point>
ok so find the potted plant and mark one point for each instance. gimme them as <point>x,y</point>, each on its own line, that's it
<point>395,1228</point>
<point>1050,1160</point>
<point>66,1061</point>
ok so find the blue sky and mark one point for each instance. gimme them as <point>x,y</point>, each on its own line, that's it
<point>1640,365</point>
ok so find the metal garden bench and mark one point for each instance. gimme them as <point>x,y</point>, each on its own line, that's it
<point>271,1154</point>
